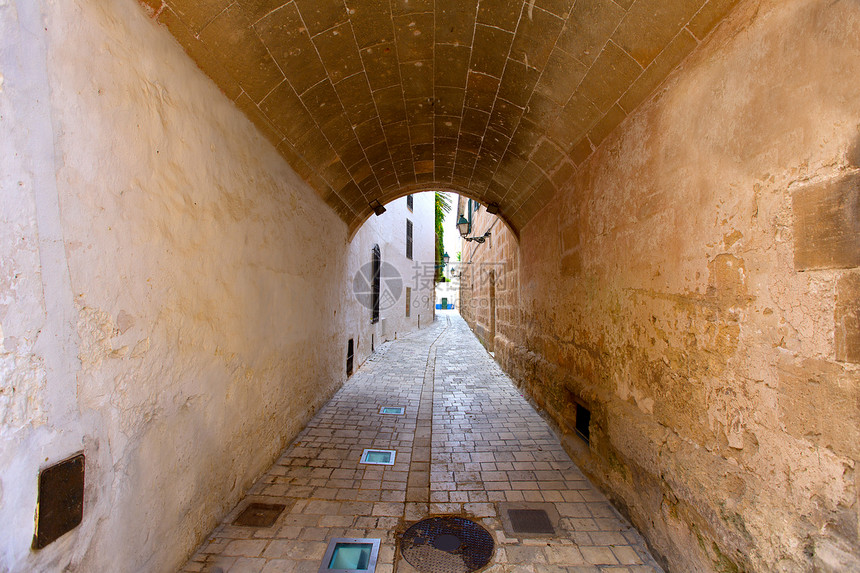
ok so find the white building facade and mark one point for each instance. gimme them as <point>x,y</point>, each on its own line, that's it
<point>396,251</point>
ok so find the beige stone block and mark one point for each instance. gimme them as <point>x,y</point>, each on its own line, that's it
<point>709,16</point>
<point>248,565</point>
<point>414,33</point>
<point>319,16</point>
<point>609,77</point>
<point>279,566</point>
<point>339,52</point>
<point>322,103</point>
<point>388,509</point>
<point>197,14</point>
<point>651,24</point>
<point>524,555</point>
<point>518,82</point>
<point>599,555</point>
<point>626,555</point>
<point>606,124</point>
<point>371,21</point>
<point>561,76</point>
<point>535,37</point>
<point>246,547</point>
<point>847,318</point>
<point>499,13</point>
<point>564,555</point>
<point>672,55</point>
<point>827,224</point>
<point>201,55</point>
<point>452,64</point>
<point>807,385</point>
<point>455,21</point>
<point>588,28</point>
<point>381,65</point>
<point>232,40</point>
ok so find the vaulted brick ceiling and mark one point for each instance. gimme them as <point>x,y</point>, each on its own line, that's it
<point>499,99</point>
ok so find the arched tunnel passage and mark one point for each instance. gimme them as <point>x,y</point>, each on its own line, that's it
<point>410,279</point>
<point>502,98</point>
<point>431,188</point>
<point>175,279</point>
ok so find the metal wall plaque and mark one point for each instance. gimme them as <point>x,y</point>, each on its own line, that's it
<point>60,507</point>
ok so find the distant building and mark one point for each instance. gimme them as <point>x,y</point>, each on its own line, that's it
<point>487,277</point>
<point>392,267</point>
<point>448,293</point>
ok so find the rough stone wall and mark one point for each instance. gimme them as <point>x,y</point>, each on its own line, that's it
<point>495,316</point>
<point>696,287</point>
<point>169,288</point>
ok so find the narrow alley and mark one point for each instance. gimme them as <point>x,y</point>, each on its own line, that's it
<point>468,444</point>
<point>223,243</point>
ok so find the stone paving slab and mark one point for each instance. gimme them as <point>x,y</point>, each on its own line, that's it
<point>467,444</point>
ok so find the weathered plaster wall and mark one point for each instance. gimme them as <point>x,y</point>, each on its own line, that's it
<point>696,287</point>
<point>166,302</point>
<point>388,231</point>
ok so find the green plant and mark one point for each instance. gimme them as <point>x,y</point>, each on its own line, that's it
<point>443,206</point>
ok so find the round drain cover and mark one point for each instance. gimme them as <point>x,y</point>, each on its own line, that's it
<point>447,542</point>
<point>447,545</point>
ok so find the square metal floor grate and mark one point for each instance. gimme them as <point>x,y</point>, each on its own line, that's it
<point>259,515</point>
<point>530,521</point>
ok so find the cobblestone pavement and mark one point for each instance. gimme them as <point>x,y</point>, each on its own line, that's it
<point>468,444</point>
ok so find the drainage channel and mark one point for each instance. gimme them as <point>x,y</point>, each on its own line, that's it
<point>417,503</point>
<point>418,483</point>
<point>353,555</point>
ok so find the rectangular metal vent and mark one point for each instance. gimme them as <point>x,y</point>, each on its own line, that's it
<point>259,515</point>
<point>60,507</point>
<point>583,422</point>
<point>530,521</point>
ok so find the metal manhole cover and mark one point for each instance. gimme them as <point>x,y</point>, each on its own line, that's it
<point>446,545</point>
